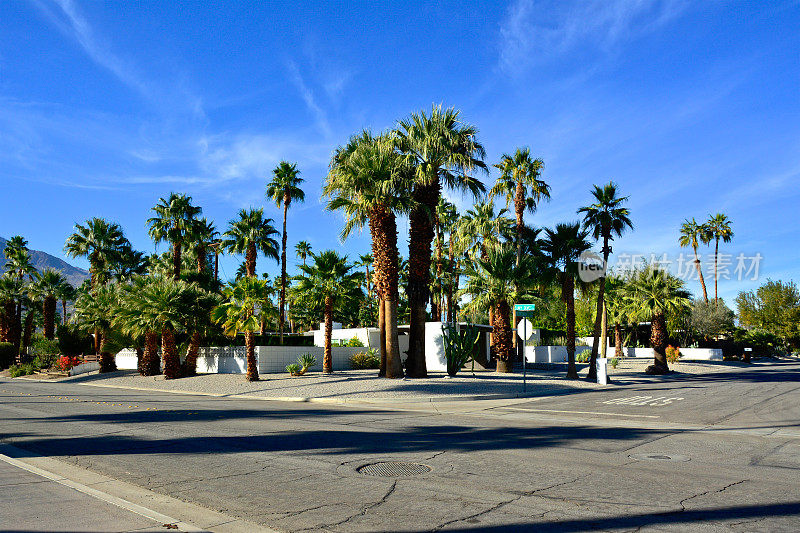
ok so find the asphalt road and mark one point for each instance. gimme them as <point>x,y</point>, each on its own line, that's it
<point>716,452</point>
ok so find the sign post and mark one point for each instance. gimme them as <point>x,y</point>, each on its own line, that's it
<point>524,330</point>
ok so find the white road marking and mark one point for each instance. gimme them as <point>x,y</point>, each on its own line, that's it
<point>578,412</point>
<point>649,401</point>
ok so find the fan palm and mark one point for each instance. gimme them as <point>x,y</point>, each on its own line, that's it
<point>18,257</point>
<point>202,235</point>
<point>654,294</point>
<point>48,285</point>
<point>241,311</point>
<point>692,234</point>
<point>283,190</point>
<point>366,182</point>
<point>563,245</point>
<point>100,241</point>
<point>302,249</point>
<point>173,222</point>
<point>249,234</point>
<point>520,184</point>
<point>719,228</point>
<point>606,218</point>
<point>443,151</point>
<point>329,280</point>
<point>93,311</point>
<point>197,304</point>
<point>496,282</point>
<point>66,293</point>
<point>133,317</point>
<point>365,260</point>
<point>12,296</point>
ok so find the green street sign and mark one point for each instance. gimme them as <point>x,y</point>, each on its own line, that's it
<point>524,307</point>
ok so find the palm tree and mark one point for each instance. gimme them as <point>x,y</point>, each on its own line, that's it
<point>447,218</point>
<point>563,246</point>
<point>302,249</point>
<point>719,227</point>
<point>365,260</point>
<point>443,151</point>
<point>48,285</point>
<point>93,311</point>
<point>496,282</point>
<point>134,317</point>
<point>202,235</point>
<point>12,294</point>
<point>18,257</point>
<point>66,293</point>
<point>249,234</point>
<point>197,305</point>
<point>241,311</point>
<point>283,190</point>
<point>366,182</point>
<point>101,242</point>
<point>655,294</point>
<point>129,263</point>
<point>173,222</point>
<point>329,280</point>
<point>692,234</point>
<point>520,184</point>
<point>614,299</point>
<point>606,218</point>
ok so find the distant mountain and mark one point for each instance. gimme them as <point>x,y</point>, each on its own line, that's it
<point>42,261</point>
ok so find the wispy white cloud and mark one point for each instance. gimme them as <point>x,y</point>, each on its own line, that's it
<point>308,97</point>
<point>537,31</point>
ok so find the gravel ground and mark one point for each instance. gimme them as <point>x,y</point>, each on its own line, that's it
<point>364,385</point>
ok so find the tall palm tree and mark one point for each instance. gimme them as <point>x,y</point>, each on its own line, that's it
<point>719,228</point>
<point>129,263</point>
<point>48,285</point>
<point>66,293</point>
<point>448,218</point>
<point>101,242</point>
<point>249,234</point>
<point>173,222</point>
<point>197,304</point>
<point>497,281</point>
<point>12,294</point>
<point>365,260</point>
<point>329,280</point>
<point>202,235</point>
<point>134,317</point>
<point>18,257</point>
<point>692,234</point>
<point>563,245</point>
<point>241,311</point>
<point>443,151</point>
<point>302,249</point>
<point>606,218</point>
<point>367,182</point>
<point>520,184</point>
<point>283,190</point>
<point>93,311</point>
<point>654,295</point>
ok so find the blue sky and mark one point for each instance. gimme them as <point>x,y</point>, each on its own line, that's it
<point>691,107</point>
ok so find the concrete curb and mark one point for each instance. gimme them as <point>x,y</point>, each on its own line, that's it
<point>130,497</point>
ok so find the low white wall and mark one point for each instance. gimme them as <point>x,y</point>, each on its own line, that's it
<point>687,354</point>
<point>126,359</point>
<point>84,368</point>
<point>275,358</point>
<point>550,354</point>
<point>369,337</point>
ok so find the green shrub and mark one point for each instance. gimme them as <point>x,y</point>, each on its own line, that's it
<point>613,362</point>
<point>365,360</point>
<point>45,350</point>
<point>293,369</point>
<point>458,347</point>
<point>44,361</point>
<point>304,362</point>
<point>583,357</point>
<point>355,342</point>
<point>7,354</point>
<point>72,340</point>
<point>24,369</point>
<point>673,354</point>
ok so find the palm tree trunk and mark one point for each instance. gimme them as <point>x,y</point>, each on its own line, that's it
<point>172,363</point>
<point>64,312</point>
<point>568,295</point>
<point>151,363</point>
<point>250,348</point>
<point>519,212</point>
<point>107,360</point>
<point>658,340</point>
<point>281,314</point>
<point>382,329</point>
<point>436,307</point>
<point>216,265</point>
<point>176,260</point>
<point>394,368</point>
<point>250,261</point>
<point>419,268</point>
<point>617,340</point>
<point>202,260</point>
<point>716,277</point>
<point>700,273</point>
<point>327,358</point>
<point>190,363</point>
<point>49,312</point>
<point>598,330</point>
<point>503,347</point>
<point>27,331</point>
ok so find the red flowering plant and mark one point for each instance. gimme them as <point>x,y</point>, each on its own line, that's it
<point>66,363</point>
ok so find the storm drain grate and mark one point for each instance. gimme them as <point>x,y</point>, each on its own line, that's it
<point>659,457</point>
<point>393,469</point>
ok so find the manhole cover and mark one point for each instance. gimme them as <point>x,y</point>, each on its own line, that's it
<point>393,469</point>
<point>659,457</point>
